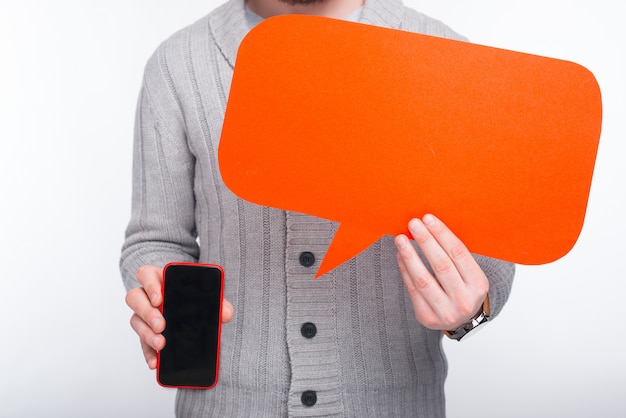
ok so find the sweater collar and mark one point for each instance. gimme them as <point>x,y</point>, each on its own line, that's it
<point>228,24</point>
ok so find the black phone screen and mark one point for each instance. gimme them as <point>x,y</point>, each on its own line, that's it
<point>192,298</point>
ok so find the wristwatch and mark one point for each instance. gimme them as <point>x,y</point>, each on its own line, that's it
<point>479,319</point>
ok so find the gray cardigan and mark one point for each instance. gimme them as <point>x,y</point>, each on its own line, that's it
<point>369,357</point>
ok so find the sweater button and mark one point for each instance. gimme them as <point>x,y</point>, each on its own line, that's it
<point>309,398</point>
<point>307,258</point>
<point>308,330</point>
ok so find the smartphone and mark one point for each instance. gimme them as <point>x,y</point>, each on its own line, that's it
<point>192,308</point>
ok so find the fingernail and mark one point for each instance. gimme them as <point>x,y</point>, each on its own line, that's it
<point>155,343</point>
<point>415,225</point>
<point>429,220</point>
<point>154,323</point>
<point>401,241</point>
<point>154,297</point>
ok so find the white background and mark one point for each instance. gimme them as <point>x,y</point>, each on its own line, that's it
<point>69,77</point>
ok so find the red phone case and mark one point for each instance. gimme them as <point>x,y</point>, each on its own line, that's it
<point>219,326</point>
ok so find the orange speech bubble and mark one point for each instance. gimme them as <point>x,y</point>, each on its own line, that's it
<point>370,127</point>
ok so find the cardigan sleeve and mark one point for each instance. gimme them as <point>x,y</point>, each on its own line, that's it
<point>162,227</point>
<point>500,275</point>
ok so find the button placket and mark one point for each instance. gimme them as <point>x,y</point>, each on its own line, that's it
<point>314,356</point>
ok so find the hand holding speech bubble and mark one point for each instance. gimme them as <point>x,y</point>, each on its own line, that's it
<point>371,127</point>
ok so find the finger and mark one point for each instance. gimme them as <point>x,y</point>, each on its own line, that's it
<point>151,279</point>
<point>138,301</point>
<point>150,355</point>
<point>454,248</point>
<point>445,270</point>
<point>148,337</point>
<point>228,311</point>
<point>424,313</point>
<point>417,277</point>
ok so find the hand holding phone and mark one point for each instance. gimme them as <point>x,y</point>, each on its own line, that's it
<point>192,308</point>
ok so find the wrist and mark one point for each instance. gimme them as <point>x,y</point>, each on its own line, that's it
<point>481,317</point>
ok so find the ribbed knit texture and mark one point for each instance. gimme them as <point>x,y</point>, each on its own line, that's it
<point>370,357</point>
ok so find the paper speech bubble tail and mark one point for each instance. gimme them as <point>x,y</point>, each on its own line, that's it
<point>348,242</point>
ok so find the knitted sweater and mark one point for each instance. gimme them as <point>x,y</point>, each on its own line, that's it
<point>369,356</point>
